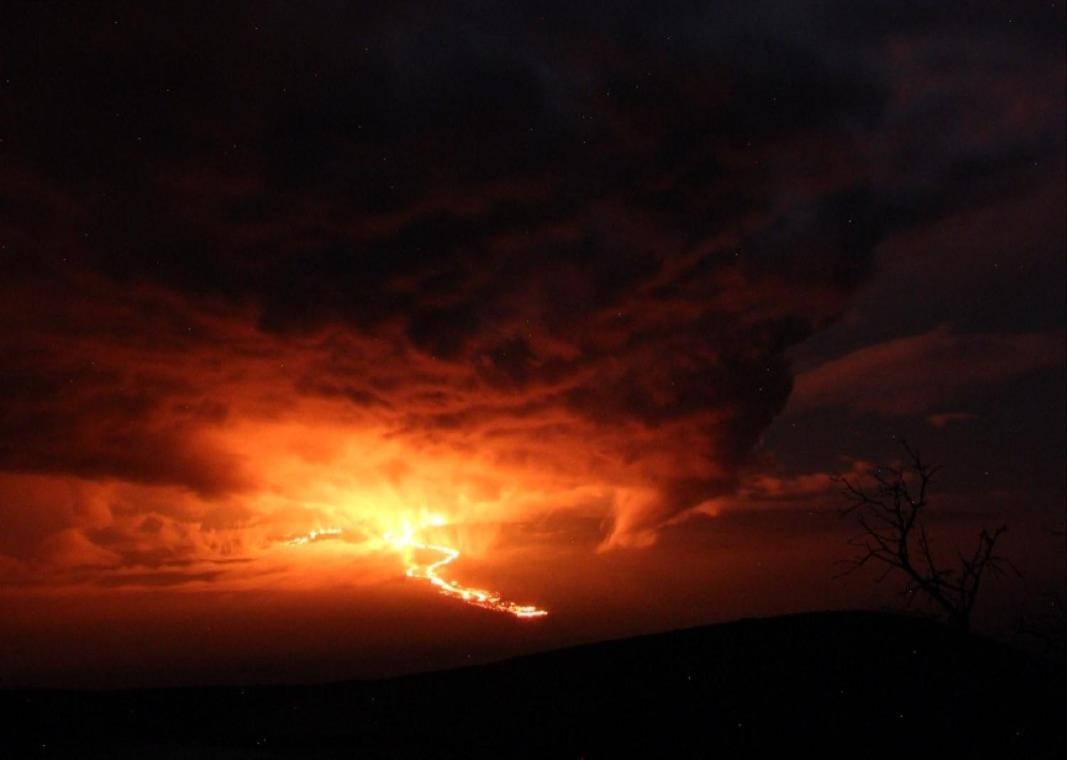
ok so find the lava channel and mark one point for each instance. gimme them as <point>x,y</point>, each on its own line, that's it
<point>406,545</point>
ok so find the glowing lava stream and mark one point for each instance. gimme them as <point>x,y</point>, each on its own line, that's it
<point>476,596</point>
<point>406,545</point>
<point>314,535</point>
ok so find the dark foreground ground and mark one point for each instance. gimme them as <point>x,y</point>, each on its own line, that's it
<point>826,684</point>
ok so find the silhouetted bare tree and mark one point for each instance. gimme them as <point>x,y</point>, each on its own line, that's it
<point>892,514</point>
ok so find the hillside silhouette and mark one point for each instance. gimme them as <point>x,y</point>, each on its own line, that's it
<point>818,684</point>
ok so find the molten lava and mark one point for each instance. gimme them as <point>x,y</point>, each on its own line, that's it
<point>314,535</point>
<point>408,546</point>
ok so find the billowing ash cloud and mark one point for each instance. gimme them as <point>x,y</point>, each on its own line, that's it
<point>579,238</point>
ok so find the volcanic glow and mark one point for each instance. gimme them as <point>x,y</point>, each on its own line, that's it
<point>411,548</point>
<point>314,535</point>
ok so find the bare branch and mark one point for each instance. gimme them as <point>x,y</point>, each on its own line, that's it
<point>894,535</point>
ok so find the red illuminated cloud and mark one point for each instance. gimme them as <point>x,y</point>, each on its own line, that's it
<point>261,285</point>
<point>914,374</point>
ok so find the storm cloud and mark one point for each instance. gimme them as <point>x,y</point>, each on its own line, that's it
<point>583,240</point>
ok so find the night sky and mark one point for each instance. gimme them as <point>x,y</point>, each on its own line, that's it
<point>599,295</point>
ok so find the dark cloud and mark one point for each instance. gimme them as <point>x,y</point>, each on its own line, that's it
<point>627,213</point>
<point>63,414</point>
<point>911,375</point>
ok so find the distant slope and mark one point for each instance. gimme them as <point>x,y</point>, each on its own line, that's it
<point>863,684</point>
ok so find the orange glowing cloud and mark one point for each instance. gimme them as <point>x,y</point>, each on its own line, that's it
<point>334,322</point>
<point>190,446</point>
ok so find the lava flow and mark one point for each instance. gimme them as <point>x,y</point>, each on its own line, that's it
<point>406,545</point>
<point>314,535</point>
